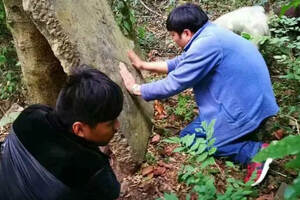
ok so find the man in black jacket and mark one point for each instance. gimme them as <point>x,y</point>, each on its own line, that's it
<point>53,153</point>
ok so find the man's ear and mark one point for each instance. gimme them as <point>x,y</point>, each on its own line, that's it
<point>188,33</point>
<point>79,129</point>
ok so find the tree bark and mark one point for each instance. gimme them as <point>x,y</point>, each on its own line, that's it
<point>42,71</point>
<point>60,34</point>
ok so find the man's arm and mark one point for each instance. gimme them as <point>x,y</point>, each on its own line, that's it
<point>160,67</point>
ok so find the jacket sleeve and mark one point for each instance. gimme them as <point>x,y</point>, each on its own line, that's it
<point>192,67</point>
<point>173,63</point>
<point>103,185</point>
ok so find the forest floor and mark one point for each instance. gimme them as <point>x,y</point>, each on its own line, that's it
<point>159,173</point>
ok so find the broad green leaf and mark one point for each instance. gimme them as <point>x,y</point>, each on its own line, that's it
<point>229,164</point>
<point>211,142</point>
<point>188,197</point>
<point>287,146</point>
<point>201,149</point>
<point>127,26</point>
<point>293,191</point>
<point>210,129</point>
<point>179,149</point>
<point>171,196</point>
<point>247,36</point>
<point>188,140</point>
<point>202,157</point>
<point>173,140</point>
<point>191,180</point>
<point>189,169</point>
<point>212,151</point>
<point>247,192</point>
<point>294,163</point>
<point>198,130</point>
<point>207,162</point>
<point>2,59</point>
<point>204,125</point>
<point>194,146</point>
<point>202,140</point>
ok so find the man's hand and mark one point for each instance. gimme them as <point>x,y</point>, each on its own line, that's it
<point>160,67</point>
<point>129,80</point>
<point>135,60</point>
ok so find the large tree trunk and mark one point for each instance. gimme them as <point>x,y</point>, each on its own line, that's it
<point>52,36</point>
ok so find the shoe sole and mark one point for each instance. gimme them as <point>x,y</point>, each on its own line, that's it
<point>264,172</point>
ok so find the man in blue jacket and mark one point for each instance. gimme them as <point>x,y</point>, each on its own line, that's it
<point>229,77</point>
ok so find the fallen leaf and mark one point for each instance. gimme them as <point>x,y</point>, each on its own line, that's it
<point>150,176</point>
<point>147,170</point>
<point>158,171</point>
<point>173,118</point>
<point>221,185</point>
<point>266,197</point>
<point>160,110</point>
<point>194,196</point>
<point>162,164</point>
<point>289,92</point>
<point>169,150</point>
<point>155,139</point>
<point>279,134</point>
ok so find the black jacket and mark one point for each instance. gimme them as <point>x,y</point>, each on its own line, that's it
<point>74,161</point>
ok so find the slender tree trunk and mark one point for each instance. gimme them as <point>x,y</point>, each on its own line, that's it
<point>42,71</point>
<point>52,36</point>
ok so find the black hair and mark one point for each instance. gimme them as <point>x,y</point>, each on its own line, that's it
<point>88,96</point>
<point>187,16</point>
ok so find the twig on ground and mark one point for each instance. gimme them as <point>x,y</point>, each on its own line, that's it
<point>221,171</point>
<point>296,123</point>
<point>2,111</point>
<point>276,172</point>
<point>150,8</point>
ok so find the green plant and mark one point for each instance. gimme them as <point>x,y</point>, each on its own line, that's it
<point>125,17</point>
<point>9,69</point>
<point>150,158</point>
<point>3,28</point>
<point>9,72</point>
<point>280,149</point>
<point>185,107</point>
<point>145,38</point>
<point>169,197</point>
<point>281,49</point>
<point>293,3</point>
<point>196,172</point>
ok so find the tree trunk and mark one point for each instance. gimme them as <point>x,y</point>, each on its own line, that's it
<point>52,36</point>
<point>42,71</point>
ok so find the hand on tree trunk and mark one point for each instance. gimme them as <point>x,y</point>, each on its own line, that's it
<point>129,80</point>
<point>135,60</point>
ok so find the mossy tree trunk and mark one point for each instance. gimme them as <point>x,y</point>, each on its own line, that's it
<point>52,36</point>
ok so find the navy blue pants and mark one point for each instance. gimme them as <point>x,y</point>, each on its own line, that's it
<point>240,151</point>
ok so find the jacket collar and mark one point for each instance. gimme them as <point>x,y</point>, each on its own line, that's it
<point>187,46</point>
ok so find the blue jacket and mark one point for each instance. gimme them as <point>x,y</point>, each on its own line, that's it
<point>230,80</point>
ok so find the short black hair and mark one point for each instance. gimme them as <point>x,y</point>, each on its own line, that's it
<point>88,96</point>
<point>187,16</point>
